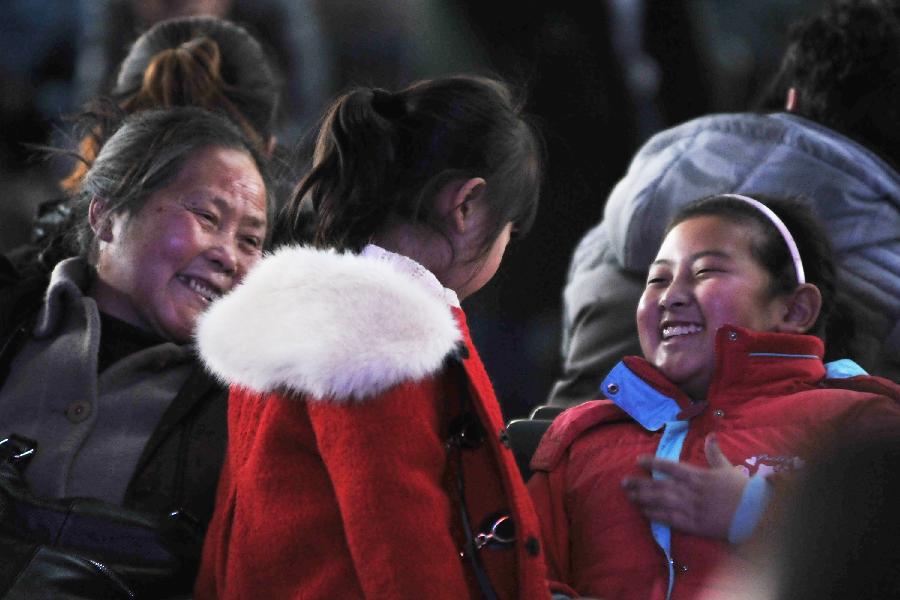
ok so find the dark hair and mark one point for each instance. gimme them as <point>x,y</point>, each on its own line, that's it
<point>772,253</point>
<point>190,61</point>
<point>380,154</point>
<point>147,153</point>
<point>845,67</point>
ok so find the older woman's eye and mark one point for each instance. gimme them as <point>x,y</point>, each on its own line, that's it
<point>204,215</point>
<point>253,241</point>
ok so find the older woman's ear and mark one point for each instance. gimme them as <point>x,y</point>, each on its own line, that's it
<point>100,220</point>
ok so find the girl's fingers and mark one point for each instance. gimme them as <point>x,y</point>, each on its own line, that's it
<point>714,455</point>
<point>655,493</point>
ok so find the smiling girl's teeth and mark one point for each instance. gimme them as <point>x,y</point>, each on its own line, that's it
<point>674,330</point>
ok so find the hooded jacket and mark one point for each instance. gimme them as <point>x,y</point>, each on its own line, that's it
<point>347,379</point>
<point>854,192</point>
<point>770,405</point>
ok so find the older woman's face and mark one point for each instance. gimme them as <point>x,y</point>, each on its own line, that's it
<point>191,242</point>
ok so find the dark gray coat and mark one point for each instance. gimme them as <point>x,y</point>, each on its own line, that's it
<point>179,466</point>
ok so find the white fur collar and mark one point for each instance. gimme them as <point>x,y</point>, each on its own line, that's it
<point>339,327</point>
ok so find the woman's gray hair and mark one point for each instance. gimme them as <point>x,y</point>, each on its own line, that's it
<point>147,153</point>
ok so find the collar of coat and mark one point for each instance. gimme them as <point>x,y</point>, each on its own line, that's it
<point>331,326</point>
<point>748,364</point>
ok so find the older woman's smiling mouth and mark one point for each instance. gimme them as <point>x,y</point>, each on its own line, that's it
<point>206,290</point>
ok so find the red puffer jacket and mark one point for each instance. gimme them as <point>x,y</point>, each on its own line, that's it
<point>769,404</point>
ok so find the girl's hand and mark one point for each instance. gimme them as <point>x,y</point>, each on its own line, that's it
<point>691,499</point>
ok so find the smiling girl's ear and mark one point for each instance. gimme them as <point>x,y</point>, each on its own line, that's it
<point>99,219</point>
<point>801,309</point>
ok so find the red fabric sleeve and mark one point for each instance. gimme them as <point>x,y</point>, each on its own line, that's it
<point>546,488</point>
<point>387,461</point>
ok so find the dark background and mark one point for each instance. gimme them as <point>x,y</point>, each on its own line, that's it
<point>600,78</point>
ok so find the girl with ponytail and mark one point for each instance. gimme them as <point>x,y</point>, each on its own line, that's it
<point>368,457</point>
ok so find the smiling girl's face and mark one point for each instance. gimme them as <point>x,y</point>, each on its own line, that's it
<point>704,276</point>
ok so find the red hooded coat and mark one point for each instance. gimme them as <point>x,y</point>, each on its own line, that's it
<point>346,376</point>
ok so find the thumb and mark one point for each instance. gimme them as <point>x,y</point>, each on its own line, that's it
<point>714,455</point>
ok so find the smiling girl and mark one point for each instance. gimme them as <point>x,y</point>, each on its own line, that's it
<point>731,324</point>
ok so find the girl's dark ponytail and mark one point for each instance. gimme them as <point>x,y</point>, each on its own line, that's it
<point>382,155</point>
<point>350,186</point>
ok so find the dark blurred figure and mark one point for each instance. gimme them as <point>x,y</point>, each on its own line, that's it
<point>839,536</point>
<point>37,43</point>
<point>831,533</point>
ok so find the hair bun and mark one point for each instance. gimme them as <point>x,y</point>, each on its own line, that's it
<point>203,50</point>
<point>184,75</point>
<point>388,105</point>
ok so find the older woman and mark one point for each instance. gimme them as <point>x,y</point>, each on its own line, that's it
<point>97,369</point>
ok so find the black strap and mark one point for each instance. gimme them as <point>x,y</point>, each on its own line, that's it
<point>466,432</point>
<point>469,550</point>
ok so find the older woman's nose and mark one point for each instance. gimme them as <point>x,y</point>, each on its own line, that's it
<point>224,255</point>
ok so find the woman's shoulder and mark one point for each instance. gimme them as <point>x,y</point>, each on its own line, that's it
<point>326,324</point>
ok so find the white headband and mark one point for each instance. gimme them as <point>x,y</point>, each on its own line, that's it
<point>782,229</point>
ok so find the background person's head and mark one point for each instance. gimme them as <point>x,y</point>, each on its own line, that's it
<point>843,66</point>
<point>444,171</point>
<point>723,261</point>
<point>205,62</point>
<point>172,214</point>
